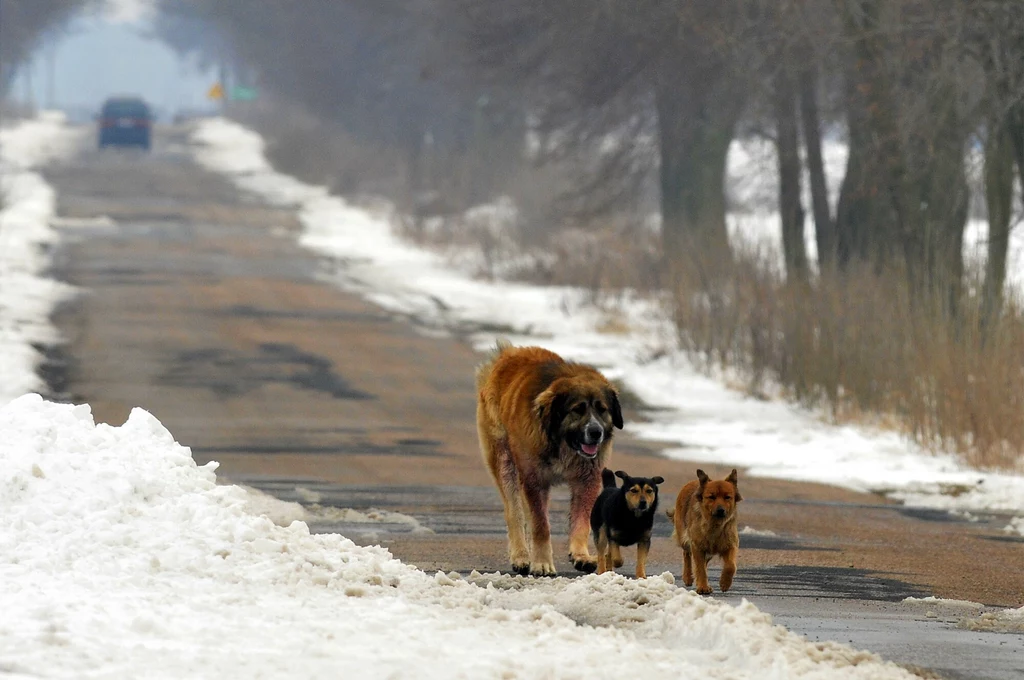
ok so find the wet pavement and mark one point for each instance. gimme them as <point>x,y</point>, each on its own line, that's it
<point>198,306</point>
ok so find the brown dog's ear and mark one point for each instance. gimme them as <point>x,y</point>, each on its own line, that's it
<point>703,478</point>
<point>616,408</point>
<point>733,479</point>
<point>657,480</point>
<point>621,475</point>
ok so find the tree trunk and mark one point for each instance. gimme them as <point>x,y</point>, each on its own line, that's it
<point>824,226</point>
<point>696,122</point>
<point>999,157</point>
<point>865,219</point>
<point>791,210</point>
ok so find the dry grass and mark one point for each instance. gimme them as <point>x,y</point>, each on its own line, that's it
<point>858,344</point>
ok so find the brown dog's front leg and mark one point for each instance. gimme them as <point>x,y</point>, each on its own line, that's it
<point>728,569</point>
<point>642,548</point>
<point>583,494</point>
<point>542,560</point>
<point>700,566</point>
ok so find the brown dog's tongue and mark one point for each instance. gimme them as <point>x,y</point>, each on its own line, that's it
<point>589,449</point>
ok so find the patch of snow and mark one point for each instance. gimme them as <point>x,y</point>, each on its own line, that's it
<point>27,205</point>
<point>751,531</point>
<point>1016,525</point>
<point>1004,621</point>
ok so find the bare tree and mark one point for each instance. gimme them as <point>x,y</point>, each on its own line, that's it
<point>593,70</point>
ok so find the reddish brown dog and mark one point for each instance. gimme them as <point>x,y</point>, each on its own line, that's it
<point>705,526</point>
<point>544,421</point>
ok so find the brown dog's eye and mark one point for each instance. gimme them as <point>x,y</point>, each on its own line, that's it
<point>581,409</point>
<point>599,407</point>
<point>728,498</point>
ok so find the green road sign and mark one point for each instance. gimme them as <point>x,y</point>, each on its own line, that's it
<point>243,94</point>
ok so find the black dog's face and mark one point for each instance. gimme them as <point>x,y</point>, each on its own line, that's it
<point>582,414</point>
<point>641,492</point>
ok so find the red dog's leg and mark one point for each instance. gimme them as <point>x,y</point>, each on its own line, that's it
<point>583,492</point>
<point>515,516</point>
<point>536,494</point>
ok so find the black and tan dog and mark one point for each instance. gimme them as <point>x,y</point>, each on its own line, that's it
<point>624,516</point>
<point>705,526</point>
<point>544,421</point>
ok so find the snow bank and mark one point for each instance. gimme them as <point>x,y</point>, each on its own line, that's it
<point>121,558</point>
<point>709,422</point>
<point>27,205</point>
<point>1005,621</point>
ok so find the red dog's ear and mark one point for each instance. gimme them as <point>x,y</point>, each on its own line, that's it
<point>733,479</point>
<point>615,408</point>
<point>550,409</point>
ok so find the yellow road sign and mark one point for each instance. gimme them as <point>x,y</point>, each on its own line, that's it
<point>216,92</point>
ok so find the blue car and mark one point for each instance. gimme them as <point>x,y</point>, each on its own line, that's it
<point>125,121</point>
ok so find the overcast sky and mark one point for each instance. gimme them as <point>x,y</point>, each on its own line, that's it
<point>104,54</point>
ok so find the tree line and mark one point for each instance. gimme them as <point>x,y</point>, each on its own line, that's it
<point>22,23</point>
<point>912,83</point>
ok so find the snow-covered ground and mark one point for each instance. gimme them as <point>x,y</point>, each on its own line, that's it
<point>121,558</point>
<point>706,421</point>
<point>26,208</point>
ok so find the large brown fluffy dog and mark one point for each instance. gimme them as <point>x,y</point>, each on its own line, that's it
<point>705,526</point>
<point>544,421</point>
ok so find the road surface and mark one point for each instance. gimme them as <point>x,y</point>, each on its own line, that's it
<point>198,306</point>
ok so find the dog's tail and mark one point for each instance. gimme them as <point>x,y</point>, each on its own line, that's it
<point>608,478</point>
<point>483,371</point>
<point>670,513</point>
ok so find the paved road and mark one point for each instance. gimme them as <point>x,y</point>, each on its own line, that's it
<point>198,306</point>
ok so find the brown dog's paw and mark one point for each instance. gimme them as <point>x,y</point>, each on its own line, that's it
<point>584,564</point>
<point>706,590</point>
<point>523,569</point>
<point>618,562</point>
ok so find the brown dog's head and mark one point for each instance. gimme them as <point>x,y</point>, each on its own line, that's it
<point>580,410</point>
<point>718,499</point>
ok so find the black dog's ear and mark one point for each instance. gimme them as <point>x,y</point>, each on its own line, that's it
<point>733,479</point>
<point>616,408</point>
<point>657,480</point>
<point>622,475</point>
